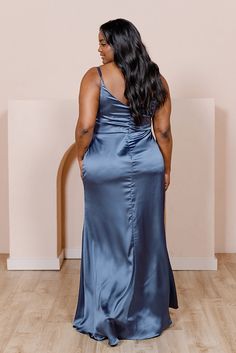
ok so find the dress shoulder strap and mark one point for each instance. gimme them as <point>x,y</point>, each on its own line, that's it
<point>100,73</point>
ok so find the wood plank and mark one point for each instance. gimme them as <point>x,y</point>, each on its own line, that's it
<point>37,309</point>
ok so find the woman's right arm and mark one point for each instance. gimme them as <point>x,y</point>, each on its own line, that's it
<point>88,107</point>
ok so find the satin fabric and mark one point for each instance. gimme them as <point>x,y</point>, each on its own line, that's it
<point>126,280</point>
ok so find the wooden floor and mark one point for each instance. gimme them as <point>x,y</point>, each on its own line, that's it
<point>37,309</point>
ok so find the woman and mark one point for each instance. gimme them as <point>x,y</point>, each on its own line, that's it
<point>126,281</point>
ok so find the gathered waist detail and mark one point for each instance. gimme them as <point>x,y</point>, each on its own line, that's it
<point>114,129</point>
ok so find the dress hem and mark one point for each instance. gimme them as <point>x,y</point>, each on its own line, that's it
<point>115,340</point>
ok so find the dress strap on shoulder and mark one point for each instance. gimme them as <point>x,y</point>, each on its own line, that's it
<point>100,73</point>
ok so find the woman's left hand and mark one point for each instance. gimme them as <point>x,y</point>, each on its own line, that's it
<point>81,167</point>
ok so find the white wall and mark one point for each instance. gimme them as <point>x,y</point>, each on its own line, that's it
<point>47,46</point>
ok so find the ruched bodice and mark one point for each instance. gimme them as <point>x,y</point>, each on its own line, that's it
<point>114,116</point>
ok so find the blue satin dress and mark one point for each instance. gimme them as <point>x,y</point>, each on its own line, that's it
<point>126,280</point>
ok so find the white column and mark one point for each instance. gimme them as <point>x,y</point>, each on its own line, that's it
<point>39,133</point>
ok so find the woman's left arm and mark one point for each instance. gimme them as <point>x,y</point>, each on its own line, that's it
<point>162,131</point>
<point>88,106</point>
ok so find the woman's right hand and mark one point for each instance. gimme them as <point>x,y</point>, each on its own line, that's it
<point>167,180</point>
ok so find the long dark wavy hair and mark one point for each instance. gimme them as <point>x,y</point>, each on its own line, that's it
<point>144,89</point>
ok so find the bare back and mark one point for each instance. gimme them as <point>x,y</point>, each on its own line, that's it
<point>114,81</point>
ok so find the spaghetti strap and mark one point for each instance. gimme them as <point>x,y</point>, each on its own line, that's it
<point>100,73</point>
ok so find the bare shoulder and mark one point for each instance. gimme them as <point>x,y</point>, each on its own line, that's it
<point>165,84</point>
<point>91,77</point>
<point>165,109</point>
